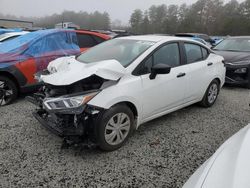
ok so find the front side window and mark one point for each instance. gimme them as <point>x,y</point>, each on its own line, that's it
<point>193,53</point>
<point>125,51</point>
<point>168,54</point>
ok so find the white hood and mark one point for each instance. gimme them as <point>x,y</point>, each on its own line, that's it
<point>229,167</point>
<point>67,70</point>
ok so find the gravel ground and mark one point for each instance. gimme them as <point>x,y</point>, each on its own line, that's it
<point>162,153</point>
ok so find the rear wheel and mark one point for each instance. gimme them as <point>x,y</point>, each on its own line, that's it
<point>8,91</point>
<point>211,94</point>
<point>114,127</point>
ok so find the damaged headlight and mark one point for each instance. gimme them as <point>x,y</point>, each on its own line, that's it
<point>68,102</point>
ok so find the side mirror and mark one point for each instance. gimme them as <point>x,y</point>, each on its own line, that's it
<point>159,69</point>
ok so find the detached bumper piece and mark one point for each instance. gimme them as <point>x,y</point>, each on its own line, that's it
<point>238,74</point>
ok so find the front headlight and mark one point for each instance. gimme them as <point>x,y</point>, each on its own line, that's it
<point>68,102</point>
<point>241,70</point>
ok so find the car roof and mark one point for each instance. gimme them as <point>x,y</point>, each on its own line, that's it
<point>240,37</point>
<point>190,34</point>
<point>156,38</point>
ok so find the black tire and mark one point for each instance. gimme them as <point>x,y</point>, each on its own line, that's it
<point>102,122</point>
<point>205,101</point>
<point>8,85</point>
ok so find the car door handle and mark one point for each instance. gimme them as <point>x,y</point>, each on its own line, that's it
<point>181,74</point>
<point>209,64</point>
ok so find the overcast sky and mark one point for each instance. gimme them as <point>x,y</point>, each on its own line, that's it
<point>117,9</point>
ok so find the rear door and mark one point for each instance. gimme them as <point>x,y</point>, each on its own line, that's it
<point>197,57</point>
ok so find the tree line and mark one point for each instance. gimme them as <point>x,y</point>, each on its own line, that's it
<point>213,17</point>
<point>85,20</point>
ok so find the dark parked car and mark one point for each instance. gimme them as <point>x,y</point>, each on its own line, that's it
<point>236,52</point>
<point>26,55</point>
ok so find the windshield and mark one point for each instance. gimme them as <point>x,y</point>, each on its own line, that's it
<point>234,44</point>
<point>122,50</point>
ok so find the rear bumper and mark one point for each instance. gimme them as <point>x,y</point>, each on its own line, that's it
<point>235,78</point>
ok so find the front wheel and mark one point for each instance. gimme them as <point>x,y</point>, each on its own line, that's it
<point>114,127</point>
<point>8,91</point>
<point>211,94</point>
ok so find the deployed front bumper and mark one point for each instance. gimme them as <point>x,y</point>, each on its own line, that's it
<point>237,78</point>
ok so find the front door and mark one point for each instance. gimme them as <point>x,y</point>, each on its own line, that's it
<point>166,91</point>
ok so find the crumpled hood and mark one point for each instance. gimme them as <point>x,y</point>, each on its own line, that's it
<point>228,167</point>
<point>67,70</point>
<point>234,57</point>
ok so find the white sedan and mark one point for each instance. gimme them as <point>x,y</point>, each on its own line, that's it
<point>228,167</point>
<point>108,91</point>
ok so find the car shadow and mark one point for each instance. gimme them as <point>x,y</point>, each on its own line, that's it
<point>142,131</point>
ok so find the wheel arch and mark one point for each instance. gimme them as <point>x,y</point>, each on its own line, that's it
<point>130,105</point>
<point>218,79</point>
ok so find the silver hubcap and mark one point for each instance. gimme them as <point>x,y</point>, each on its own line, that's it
<point>5,93</point>
<point>117,129</point>
<point>212,93</point>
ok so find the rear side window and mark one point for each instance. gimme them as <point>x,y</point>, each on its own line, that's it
<point>193,53</point>
<point>86,41</point>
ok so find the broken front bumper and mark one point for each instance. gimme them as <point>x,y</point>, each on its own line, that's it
<point>60,126</point>
<point>238,74</point>
<point>39,115</point>
<point>66,125</point>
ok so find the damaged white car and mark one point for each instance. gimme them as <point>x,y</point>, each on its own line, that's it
<point>105,93</point>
